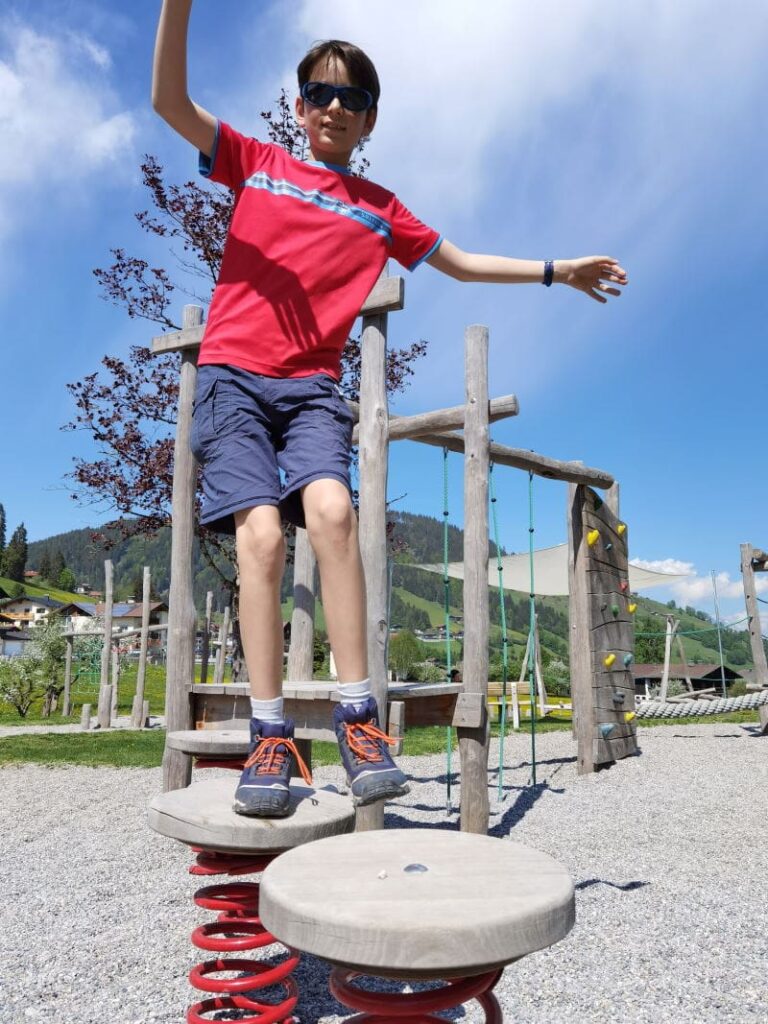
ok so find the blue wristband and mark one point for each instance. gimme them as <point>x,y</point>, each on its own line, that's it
<point>549,272</point>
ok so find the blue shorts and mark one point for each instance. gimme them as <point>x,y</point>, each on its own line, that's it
<point>247,428</point>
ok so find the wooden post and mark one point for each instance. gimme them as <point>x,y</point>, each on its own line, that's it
<point>221,654</point>
<point>206,637</point>
<point>301,651</point>
<point>373,470</point>
<point>180,662</point>
<point>750,598</point>
<point>104,706</point>
<point>85,717</point>
<point>67,706</point>
<point>473,743</point>
<point>683,659</point>
<point>667,658</point>
<point>141,673</point>
<point>601,631</point>
<point>115,679</point>
<point>578,616</point>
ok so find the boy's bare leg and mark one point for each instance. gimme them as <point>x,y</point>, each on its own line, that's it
<point>261,560</point>
<point>332,529</point>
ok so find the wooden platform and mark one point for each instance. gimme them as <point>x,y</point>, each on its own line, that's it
<point>417,903</point>
<point>202,815</point>
<point>310,705</point>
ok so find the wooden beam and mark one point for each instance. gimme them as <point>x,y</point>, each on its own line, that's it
<point>411,428</point>
<point>388,295</point>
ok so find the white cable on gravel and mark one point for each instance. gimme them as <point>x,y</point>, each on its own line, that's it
<point>669,853</point>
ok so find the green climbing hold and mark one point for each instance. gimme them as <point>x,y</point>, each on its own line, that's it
<point>618,697</point>
<point>628,659</point>
<point>608,546</point>
<point>614,610</point>
<point>598,502</point>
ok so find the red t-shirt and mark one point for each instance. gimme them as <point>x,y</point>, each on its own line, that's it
<point>306,244</point>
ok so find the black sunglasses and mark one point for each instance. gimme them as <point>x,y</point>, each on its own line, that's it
<point>320,94</point>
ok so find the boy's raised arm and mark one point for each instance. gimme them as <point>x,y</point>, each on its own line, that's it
<point>593,275</point>
<point>169,79</point>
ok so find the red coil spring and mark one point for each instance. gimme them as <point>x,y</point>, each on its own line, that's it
<point>415,1007</point>
<point>237,928</point>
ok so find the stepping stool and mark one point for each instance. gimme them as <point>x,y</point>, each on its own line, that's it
<point>231,844</point>
<point>212,748</point>
<point>417,905</point>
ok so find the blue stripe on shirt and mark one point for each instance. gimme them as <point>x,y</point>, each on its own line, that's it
<point>280,187</point>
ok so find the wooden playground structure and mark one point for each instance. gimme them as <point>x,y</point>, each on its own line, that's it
<point>598,573</point>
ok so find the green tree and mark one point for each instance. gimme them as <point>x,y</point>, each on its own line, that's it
<point>20,683</point>
<point>44,567</point>
<point>67,580</point>
<point>48,647</point>
<point>15,555</point>
<point>58,565</point>
<point>649,650</point>
<point>404,653</point>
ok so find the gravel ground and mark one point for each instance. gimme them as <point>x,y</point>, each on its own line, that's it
<point>668,851</point>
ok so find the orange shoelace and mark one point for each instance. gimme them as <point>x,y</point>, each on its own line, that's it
<point>271,759</point>
<point>363,740</point>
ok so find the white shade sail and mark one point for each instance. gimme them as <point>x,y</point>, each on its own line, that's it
<point>550,573</point>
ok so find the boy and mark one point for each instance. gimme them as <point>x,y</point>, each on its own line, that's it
<point>306,244</point>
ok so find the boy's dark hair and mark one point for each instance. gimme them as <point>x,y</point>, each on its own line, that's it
<point>358,64</point>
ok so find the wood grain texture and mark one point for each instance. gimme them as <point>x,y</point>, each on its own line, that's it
<point>402,428</point>
<point>141,673</point>
<point>373,468</point>
<point>182,617</point>
<point>105,708</point>
<point>480,903</point>
<point>748,557</point>
<point>473,743</point>
<point>202,815</point>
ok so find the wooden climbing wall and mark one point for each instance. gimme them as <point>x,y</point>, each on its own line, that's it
<point>601,630</point>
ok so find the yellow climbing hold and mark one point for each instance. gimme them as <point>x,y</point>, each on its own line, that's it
<point>609,659</point>
<point>629,715</point>
<point>621,528</point>
<point>631,608</point>
<point>592,537</point>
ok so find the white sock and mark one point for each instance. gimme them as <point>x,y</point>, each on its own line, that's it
<point>268,710</point>
<point>355,693</point>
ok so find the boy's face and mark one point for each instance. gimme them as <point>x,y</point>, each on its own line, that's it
<point>332,131</point>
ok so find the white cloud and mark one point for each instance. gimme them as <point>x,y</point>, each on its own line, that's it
<point>60,119</point>
<point>696,589</point>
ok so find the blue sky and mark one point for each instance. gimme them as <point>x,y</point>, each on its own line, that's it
<point>631,130</point>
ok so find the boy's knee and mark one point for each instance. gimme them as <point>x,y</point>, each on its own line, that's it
<point>260,547</point>
<point>332,516</point>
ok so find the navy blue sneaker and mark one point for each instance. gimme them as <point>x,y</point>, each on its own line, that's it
<point>264,790</point>
<point>371,772</point>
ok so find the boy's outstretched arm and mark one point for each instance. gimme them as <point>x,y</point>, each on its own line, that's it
<point>589,274</point>
<point>169,79</point>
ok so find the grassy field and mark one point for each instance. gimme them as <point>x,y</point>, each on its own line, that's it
<point>45,591</point>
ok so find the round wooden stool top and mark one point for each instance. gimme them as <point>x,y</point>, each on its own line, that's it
<point>417,903</point>
<point>202,815</point>
<point>211,742</point>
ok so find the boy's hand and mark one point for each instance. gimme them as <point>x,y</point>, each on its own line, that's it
<point>591,274</point>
